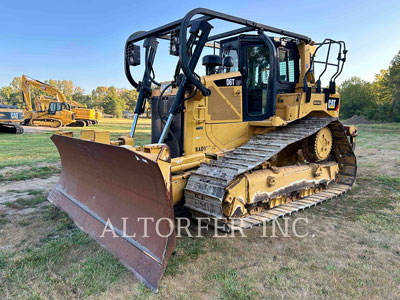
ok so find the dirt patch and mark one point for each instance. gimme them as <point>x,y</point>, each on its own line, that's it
<point>25,167</point>
<point>12,191</point>
<point>356,120</point>
<point>33,129</point>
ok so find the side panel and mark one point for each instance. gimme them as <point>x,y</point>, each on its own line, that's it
<point>228,136</point>
<point>11,115</point>
<point>224,105</point>
<point>214,124</point>
<point>317,104</point>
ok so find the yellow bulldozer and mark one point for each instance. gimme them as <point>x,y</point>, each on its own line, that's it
<point>255,138</point>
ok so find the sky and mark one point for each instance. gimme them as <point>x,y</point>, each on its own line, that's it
<point>83,40</point>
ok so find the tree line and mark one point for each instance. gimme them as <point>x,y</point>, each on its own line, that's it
<point>378,100</point>
<point>109,100</point>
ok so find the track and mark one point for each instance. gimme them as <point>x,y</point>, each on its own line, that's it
<point>11,128</point>
<point>47,122</point>
<point>205,189</point>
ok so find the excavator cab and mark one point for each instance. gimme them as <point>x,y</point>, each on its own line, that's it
<point>55,107</point>
<point>254,138</point>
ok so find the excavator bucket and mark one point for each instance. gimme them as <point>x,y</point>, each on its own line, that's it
<point>120,198</point>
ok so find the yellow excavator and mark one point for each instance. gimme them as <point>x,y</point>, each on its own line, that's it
<point>83,115</point>
<point>11,118</point>
<point>255,138</point>
<point>56,114</point>
<point>90,116</point>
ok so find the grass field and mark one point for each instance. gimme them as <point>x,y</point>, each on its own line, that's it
<point>352,250</point>
<point>31,149</point>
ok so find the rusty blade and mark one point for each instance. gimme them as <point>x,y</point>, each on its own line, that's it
<point>104,187</point>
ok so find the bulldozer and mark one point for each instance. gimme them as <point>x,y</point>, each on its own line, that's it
<point>255,138</point>
<point>11,118</point>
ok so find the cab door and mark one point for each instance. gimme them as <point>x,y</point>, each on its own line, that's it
<point>258,73</point>
<point>52,108</point>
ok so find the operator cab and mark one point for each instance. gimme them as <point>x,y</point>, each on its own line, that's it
<point>56,106</point>
<point>250,55</point>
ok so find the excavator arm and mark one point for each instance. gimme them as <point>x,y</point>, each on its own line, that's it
<point>48,89</point>
<point>26,92</point>
<point>77,104</point>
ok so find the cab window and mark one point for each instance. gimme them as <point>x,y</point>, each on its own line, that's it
<point>234,54</point>
<point>283,76</point>
<point>286,66</point>
<point>52,107</point>
<point>291,67</point>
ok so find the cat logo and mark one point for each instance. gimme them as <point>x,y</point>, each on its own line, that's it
<point>333,103</point>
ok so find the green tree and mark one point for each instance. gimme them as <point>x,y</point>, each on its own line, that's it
<point>113,103</point>
<point>381,88</point>
<point>393,82</point>
<point>11,94</point>
<point>357,98</point>
<point>6,92</point>
<point>130,98</point>
<point>83,99</point>
<point>98,96</point>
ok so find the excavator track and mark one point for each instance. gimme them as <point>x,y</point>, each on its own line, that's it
<point>205,190</point>
<point>78,123</point>
<point>47,122</point>
<point>11,128</point>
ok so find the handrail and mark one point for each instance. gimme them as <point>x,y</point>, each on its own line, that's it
<point>341,59</point>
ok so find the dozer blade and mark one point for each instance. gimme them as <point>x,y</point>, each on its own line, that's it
<point>103,187</point>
